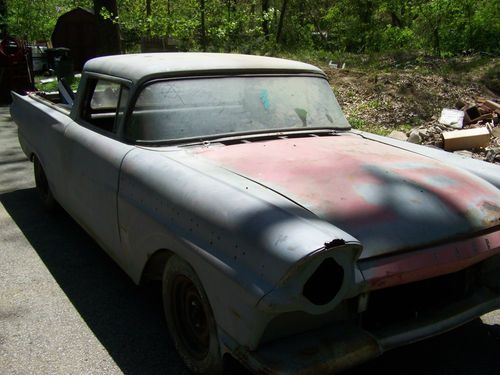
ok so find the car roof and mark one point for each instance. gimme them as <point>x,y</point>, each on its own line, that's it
<point>138,67</point>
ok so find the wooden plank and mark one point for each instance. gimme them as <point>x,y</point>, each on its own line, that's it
<point>466,139</point>
<point>492,105</point>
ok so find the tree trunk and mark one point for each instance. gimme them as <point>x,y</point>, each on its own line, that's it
<point>203,36</point>
<point>3,18</point>
<point>148,14</point>
<point>265,22</point>
<point>108,32</point>
<point>395,20</point>
<point>3,9</point>
<point>468,16</point>
<point>437,41</point>
<point>366,11</point>
<point>280,23</point>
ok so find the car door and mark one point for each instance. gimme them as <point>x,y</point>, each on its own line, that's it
<point>93,156</point>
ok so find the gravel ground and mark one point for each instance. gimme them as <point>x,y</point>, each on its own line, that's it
<point>66,308</point>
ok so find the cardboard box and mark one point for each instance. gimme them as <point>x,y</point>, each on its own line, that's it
<point>466,139</point>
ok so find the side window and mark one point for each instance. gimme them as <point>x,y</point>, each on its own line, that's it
<point>101,104</point>
<point>105,96</point>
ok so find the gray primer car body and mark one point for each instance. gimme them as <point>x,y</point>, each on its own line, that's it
<point>255,239</point>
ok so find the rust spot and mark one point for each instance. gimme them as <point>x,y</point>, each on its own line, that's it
<point>492,213</point>
<point>431,262</point>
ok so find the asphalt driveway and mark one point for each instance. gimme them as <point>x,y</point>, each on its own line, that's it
<point>66,308</point>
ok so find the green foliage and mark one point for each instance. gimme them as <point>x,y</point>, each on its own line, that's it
<point>51,86</point>
<point>360,124</point>
<point>394,38</point>
<point>441,27</point>
<point>35,19</point>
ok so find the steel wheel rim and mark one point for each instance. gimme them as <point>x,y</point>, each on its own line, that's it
<point>190,316</point>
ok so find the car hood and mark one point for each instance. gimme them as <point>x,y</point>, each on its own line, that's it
<point>388,198</point>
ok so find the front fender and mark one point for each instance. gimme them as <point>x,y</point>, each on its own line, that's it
<point>239,237</point>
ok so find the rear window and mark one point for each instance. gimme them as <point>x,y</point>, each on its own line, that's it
<point>177,109</point>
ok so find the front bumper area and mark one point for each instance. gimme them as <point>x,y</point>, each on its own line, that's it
<point>340,346</point>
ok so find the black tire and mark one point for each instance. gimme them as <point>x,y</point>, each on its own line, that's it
<point>190,319</point>
<point>42,186</point>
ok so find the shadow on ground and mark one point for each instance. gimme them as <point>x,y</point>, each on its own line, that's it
<point>471,349</point>
<point>127,319</point>
<point>129,322</point>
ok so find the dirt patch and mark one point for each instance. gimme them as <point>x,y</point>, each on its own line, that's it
<point>395,100</point>
<point>410,96</point>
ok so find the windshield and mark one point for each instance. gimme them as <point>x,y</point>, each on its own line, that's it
<point>169,110</point>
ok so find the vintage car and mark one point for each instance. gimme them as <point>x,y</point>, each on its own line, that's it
<point>282,237</point>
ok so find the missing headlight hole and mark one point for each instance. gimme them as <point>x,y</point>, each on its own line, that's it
<point>324,283</point>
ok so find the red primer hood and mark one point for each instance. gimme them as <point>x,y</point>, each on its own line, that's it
<point>388,198</point>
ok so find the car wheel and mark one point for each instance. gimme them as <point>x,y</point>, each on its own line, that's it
<point>42,186</point>
<point>189,318</point>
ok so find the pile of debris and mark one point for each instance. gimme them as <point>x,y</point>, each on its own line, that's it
<point>471,130</point>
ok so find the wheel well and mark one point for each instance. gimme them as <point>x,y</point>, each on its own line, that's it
<point>153,271</point>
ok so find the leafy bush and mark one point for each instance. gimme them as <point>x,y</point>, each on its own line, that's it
<point>441,27</point>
